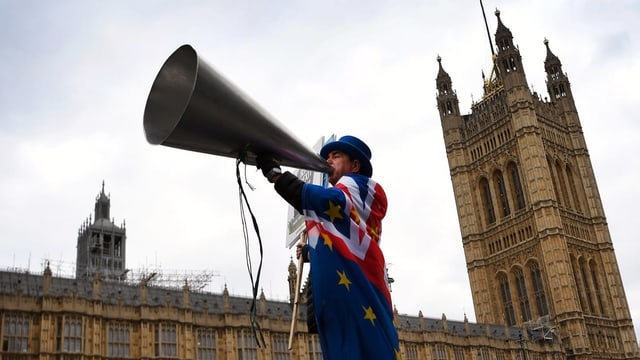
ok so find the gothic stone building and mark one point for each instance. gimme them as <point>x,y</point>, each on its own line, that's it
<point>104,314</point>
<point>533,229</point>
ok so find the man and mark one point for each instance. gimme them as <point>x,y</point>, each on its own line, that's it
<point>352,303</point>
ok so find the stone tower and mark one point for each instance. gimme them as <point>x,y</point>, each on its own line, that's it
<point>538,250</point>
<point>101,245</point>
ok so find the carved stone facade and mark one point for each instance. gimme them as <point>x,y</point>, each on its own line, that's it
<point>104,314</point>
<point>534,232</point>
<point>45,317</point>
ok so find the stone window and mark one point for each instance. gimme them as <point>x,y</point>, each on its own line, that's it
<point>15,336</point>
<point>118,340</point>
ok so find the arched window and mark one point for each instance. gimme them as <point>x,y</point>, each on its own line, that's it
<point>505,65</point>
<point>584,273</point>
<point>449,108</point>
<point>538,289</point>
<point>504,44</point>
<point>596,287</point>
<point>516,186</point>
<point>573,188</point>
<point>523,299</point>
<point>563,185</point>
<point>502,193</point>
<point>507,304</point>
<point>554,181</point>
<point>555,72</point>
<point>578,280</point>
<point>485,191</point>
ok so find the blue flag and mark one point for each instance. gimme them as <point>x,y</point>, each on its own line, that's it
<point>351,297</point>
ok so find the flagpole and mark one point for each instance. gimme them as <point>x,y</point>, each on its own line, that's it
<point>296,298</point>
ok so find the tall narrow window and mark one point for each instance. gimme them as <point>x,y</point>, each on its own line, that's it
<point>516,186</point>
<point>573,186</point>
<point>315,352</point>
<point>538,289</point>
<point>69,335</point>
<point>512,63</point>
<point>439,352</point>
<point>507,305</point>
<point>487,202</point>
<point>206,346</point>
<point>596,287</point>
<point>585,280</point>
<point>458,354</point>
<point>502,193</point>
<point>554,181</point>
<point>523,300</point>
<point>165,340</point>
<point>411,351</point>
<point>118,340</point>
<point>280,347</point>
<point>15,336</point>
<point>505,65</point>
<point>247,345</point>
<point>578,280</point>
<point>563,185</point>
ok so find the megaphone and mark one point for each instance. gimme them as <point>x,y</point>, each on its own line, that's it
<point>193,107</point>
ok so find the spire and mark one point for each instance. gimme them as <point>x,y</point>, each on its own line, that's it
<point>103,205</point>
<point>508,61</point>
<point>558,84</point>
<point>502,32</point>
<point>504,38</point>
<point>551,57</point>
<point>448,99</point>
<point>448,107</point>
<point>443,79</point>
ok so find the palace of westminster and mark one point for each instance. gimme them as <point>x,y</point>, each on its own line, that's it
<point>544,277</point>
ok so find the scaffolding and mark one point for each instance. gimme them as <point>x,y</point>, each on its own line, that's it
<point>542,330</point>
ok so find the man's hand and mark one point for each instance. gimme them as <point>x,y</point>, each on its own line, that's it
<point>302,250</point>
<point>270,166</point>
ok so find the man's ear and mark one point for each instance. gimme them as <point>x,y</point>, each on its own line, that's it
<point>356,166</point>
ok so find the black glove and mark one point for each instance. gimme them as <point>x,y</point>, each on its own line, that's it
<point>269,164</point>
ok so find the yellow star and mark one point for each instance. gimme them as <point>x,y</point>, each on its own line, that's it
<point>398,357</point>
<point>344,280</point>
<point>369,315</point>
<point>327,241</point>
<point>374,232</point>
<point>334,211</point>
<point>355,216</point>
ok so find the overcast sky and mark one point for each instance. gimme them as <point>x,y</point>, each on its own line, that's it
<point>76,74</point>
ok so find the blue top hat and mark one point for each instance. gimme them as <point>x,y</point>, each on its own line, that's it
<point>353,147</point>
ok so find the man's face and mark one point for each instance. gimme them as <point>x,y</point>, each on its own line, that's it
<point>342,165</point>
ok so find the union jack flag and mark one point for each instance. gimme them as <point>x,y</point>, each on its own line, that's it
<point>351,297</point>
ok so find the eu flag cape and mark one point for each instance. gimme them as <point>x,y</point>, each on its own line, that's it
<point>351,297</point>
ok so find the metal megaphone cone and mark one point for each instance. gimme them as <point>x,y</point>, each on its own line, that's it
<point>192,107</point>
